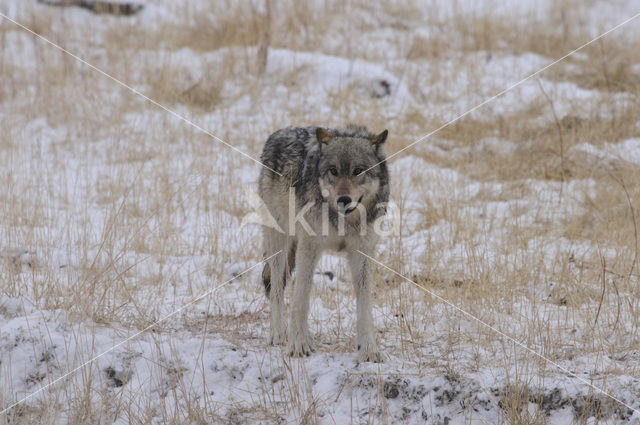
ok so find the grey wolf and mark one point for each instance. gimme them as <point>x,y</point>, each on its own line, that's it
<point>331,189</point>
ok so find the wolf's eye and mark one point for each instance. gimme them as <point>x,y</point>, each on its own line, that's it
<point>357,171</point>
<point>333,171</point>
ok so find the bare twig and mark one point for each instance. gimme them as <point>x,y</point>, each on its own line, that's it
<point>265,40</point>
<point>607,81</point>
<point>635,226</point>
<point>559,128</point>
<point>603,262</point>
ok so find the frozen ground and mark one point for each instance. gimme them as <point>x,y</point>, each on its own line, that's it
<point>115,216</point>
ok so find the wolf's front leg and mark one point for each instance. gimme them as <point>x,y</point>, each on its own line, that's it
<point>360,275</point>
<point>299,338</point>
<point>275,284</point>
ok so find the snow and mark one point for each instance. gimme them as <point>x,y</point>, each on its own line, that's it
<point>627,151</point>
<point>213,353</point>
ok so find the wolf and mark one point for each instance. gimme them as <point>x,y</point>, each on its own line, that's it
<point>325,188</point>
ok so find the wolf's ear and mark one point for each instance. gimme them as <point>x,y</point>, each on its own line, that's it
<point>380,138</point>
<point>323,135</point>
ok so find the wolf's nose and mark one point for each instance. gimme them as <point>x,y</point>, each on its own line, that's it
<point>343,201</point>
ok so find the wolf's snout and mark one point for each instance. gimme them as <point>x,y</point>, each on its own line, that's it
<point>343,201</point>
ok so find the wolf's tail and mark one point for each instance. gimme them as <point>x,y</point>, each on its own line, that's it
<point>266,278</point>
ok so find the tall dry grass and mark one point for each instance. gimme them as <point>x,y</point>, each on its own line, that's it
<point>120,200</point>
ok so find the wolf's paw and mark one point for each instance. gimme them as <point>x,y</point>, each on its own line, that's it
<point>277,337</point>
<point>301,346</point>
<point>371,356</point>
<point>368,352</point>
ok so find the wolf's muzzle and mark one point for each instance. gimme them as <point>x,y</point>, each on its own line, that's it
<point>346,206</point>
<point>343,202</point>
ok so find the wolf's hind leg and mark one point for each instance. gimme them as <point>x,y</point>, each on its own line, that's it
<point>291,260</point>
<point>291,264</point>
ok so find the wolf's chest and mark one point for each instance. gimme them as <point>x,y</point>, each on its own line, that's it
<point>338,243</point>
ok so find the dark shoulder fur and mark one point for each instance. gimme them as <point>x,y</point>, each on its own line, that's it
<point>285,151</point>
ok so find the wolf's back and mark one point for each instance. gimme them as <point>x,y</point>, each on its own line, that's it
<point>285,152</point>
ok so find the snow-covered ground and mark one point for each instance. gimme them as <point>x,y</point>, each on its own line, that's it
<point>517,223</point>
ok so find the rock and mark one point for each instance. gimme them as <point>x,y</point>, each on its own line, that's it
<point>100,6</point>
<point>391,390</point>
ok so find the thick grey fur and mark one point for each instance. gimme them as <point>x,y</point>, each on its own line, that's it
<point>311,167</point>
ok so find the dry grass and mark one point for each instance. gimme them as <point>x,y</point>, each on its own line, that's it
<point>122,204</point>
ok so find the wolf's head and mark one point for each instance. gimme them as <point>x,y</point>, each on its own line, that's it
<point>346,177</point>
